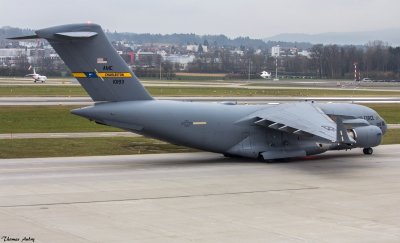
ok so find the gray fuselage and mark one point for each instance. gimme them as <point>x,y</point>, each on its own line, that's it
<point>214,127</point>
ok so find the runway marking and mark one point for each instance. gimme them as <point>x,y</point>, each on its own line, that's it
<point>158,198</point>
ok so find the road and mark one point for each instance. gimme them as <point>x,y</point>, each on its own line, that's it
<point>203,197</point>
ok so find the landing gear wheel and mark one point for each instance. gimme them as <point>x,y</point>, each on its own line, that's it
<point>260,158</point>
<point>368,151</point>
<point>228,156</point>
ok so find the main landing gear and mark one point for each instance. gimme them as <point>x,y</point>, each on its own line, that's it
<point>368,151</point>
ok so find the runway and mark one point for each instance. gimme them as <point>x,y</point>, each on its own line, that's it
<point>249,84</point>
<point>30,101</point>
<point>203,197</point>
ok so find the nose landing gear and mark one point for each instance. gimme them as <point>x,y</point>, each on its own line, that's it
<point>368,151</point>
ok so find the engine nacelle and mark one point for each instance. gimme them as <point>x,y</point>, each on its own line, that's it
<point>366,137</point>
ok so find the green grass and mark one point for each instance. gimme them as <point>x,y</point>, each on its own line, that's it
<point>60,147</point>
<point>31,119</point>
<point>20,91</point>
<point>392,136</point>
<point>389,112</point>
<point>42,90</point>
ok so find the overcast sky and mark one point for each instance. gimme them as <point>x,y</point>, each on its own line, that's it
<point>254,18</point>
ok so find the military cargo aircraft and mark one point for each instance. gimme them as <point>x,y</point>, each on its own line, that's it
<point>264,132</point>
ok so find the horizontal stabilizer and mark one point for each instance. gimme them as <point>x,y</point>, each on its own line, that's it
<point>77,34</point>
<point>25,37</point>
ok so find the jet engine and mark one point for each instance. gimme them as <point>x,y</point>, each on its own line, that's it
<point>366,137</point>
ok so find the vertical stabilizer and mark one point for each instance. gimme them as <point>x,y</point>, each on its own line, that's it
<point>94,62</point>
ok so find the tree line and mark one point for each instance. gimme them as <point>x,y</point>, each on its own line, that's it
<point>376,60</point>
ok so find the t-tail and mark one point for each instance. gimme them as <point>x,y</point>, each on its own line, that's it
<point>94,62</point>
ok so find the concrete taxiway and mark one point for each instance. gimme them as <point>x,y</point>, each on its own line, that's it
<point>203,197</point>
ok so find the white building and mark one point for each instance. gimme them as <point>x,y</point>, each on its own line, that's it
<point>28,44</point>
<point>238,52</point>
<point>12,52</point>
<point>195,48</point>
<point>162,53</point>
<point>12,56</point>
<point>182,60</point>
<point>304,53</point>
<point>276,51</point>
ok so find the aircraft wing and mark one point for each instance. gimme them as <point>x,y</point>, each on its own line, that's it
<point>301,118</point>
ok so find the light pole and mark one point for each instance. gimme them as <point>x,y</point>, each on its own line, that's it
<point>160,67</point>
<point>249,69</point>
<point>276,68</point>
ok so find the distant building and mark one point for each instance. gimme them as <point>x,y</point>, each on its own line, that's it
<point>304,53</point>
<point>276,51</point>
<point>143,54</point>
<point>12,52</point>
<point>182,60</point>
<point>12,56</point>
<point>28,44</point>
<point>162,53</point>
<point>237,52</point>
<point>195,48</point>
<point>146,58</point>
<point>293,51</point>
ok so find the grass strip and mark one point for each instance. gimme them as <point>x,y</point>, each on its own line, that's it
<point>34,119</point>
<point>392,136</point>
<point>61,147</point>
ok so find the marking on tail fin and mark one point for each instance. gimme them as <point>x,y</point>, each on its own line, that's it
<point>116,75</point>
<point>79,75</point>
<point>102,75</point>
<point>97,73</point>
<point>102,60</point>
